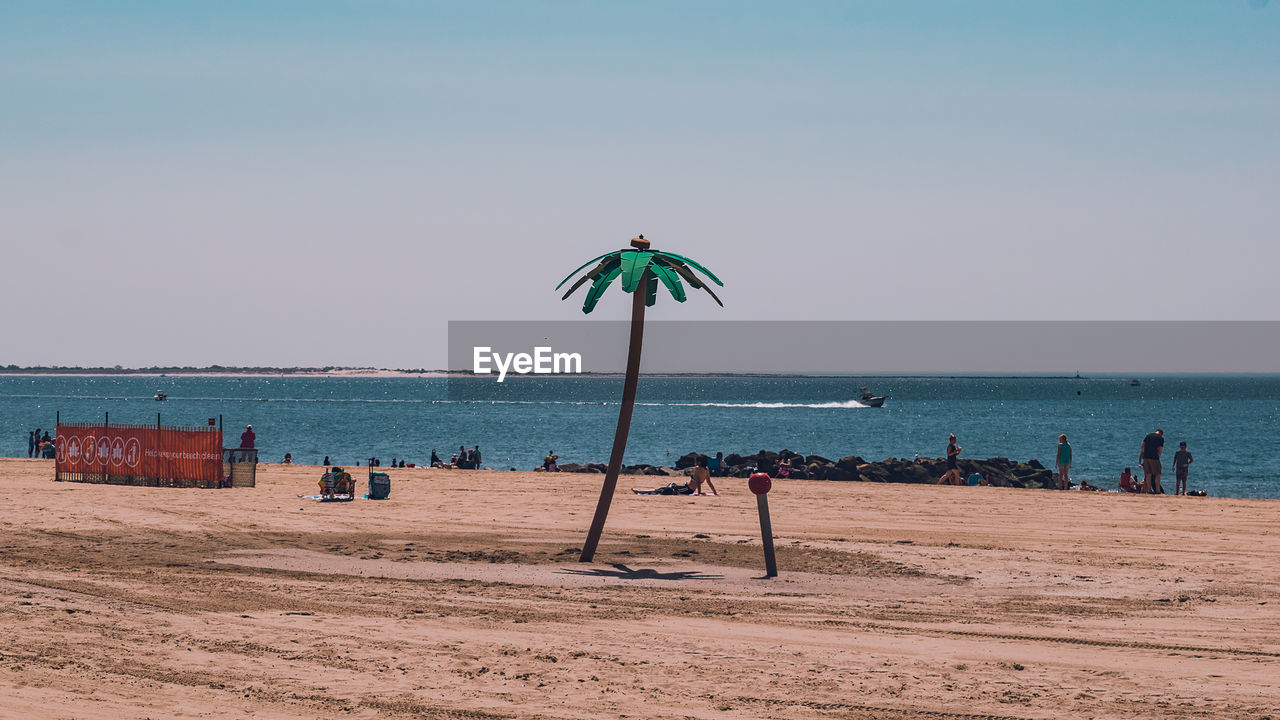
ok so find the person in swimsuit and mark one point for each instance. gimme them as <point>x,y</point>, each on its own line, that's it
<point>670,489</point>
<point>784,468</point>
<point>952,475</point>
<point>702,475</point>
<point>692,487</point>
<point>1181,460</point>
<point>1064,462</point>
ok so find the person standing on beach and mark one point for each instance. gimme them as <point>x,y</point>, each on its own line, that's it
<point>1181,460</point>
<point>31,444</point>
<point>1064,462</point>
<point>247,437</point>
<point>475,458</point>
<point>952,475</point>
<point>1149,456</point>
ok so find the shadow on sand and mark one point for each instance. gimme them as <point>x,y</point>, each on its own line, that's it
<point>622,572</point>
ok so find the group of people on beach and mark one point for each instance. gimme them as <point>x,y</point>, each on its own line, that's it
<point>464,459</point>
<point>40,446</point>
<point>1149,454</point>
<point>1149,459</point>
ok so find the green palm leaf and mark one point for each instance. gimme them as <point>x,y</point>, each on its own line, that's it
<point>610,262</point>
<point>669,278</point>
<point>701,269</point>
<point>681,269</point>
<point>633,266</point>
<point>575,272</point>
<point>688,275</point>
<point>651,290</point>
<point>597,289</point>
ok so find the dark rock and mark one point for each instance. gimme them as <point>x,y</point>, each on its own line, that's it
<point>766,457</point>
<point>870,472</point>
<point>904,471</point>
<point>1000,471</point>
<point>850,463</point>
<point>817,471</point>
<point>836,473</point>
<point>689,460</point>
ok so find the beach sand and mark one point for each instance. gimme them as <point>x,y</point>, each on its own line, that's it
<point>461,597</point>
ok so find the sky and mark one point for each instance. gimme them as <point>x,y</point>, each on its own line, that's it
<point>330,183</point>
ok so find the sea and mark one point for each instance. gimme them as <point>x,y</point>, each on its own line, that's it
<point>1228,422</point>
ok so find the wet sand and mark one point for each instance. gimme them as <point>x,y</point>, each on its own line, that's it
<point>461,597</point>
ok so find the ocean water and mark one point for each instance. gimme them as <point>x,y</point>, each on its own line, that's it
<point>1229,422</point>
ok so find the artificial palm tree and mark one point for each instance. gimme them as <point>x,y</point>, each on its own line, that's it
<point>640,269</point>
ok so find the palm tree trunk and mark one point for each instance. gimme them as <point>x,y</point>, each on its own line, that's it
<point>624,420</point>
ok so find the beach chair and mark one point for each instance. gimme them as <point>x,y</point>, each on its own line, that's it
<point>337,486</point>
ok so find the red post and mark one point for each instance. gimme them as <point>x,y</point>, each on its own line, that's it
<point>760,483</point>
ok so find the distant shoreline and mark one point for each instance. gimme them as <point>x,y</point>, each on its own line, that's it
<point>369,372</point>
<point>227,373</point>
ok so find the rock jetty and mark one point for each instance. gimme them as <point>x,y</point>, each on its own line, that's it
<point>998,471</point>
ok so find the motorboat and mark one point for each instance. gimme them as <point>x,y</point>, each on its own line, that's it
<point>871,400</point>
<point>1134,382</point>
<point>161,395</point>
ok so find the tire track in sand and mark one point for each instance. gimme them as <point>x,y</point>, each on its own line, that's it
<point>1090,642</point>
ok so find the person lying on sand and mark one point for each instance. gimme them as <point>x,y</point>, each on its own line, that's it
<point>692,487</point>
<point>670,489</point>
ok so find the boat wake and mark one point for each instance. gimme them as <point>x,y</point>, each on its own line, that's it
<point>850,404</point>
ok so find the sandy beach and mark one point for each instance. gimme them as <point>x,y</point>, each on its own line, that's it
<point>461,597</point>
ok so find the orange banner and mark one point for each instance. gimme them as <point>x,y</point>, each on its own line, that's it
<point>141,451</point>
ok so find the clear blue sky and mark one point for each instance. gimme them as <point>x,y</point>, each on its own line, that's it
<point>328,183</point>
